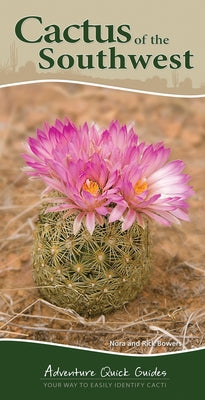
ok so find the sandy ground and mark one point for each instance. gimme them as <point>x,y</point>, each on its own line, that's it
<point>169,315</point>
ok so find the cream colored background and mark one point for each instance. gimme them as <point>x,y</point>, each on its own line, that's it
<point>181,21</point>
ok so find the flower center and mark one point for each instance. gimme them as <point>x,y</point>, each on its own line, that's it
<point>91,187</point>
<point>140,186</point>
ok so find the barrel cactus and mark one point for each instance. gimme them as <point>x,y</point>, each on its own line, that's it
<point>89,273</point>
<point>91,247</point>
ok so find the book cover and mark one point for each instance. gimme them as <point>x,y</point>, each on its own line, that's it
<point>102,142</point>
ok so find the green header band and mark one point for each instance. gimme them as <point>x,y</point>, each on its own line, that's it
<point>49,371</point>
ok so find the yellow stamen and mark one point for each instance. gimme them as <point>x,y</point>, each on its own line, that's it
<point>140,186</point>
<point>91,187</point>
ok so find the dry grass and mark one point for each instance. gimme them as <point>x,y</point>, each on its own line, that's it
<point>171,309</point>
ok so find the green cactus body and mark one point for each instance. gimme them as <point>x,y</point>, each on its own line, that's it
<point>91,274</point>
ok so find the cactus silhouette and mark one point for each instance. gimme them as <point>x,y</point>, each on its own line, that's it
<point>13,57</point>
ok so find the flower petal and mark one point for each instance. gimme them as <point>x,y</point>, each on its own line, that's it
<point>117,212</point>
<point>102,210</point>
<point>77,223</point>
<point>90,222</point>
<point>129,219</point>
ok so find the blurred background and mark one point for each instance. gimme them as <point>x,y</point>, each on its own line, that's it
<point>172,306</point>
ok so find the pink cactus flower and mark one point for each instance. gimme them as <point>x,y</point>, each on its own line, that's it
<point>87,188</point>
<point>108,173</point>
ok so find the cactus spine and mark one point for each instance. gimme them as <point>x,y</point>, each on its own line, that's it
<point>90,274</point>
